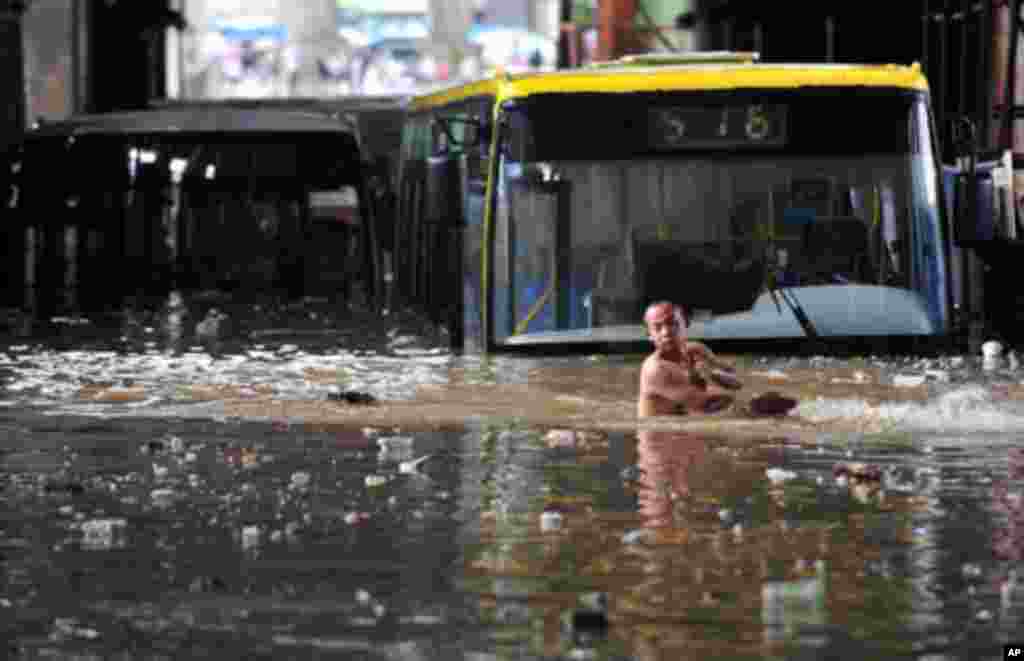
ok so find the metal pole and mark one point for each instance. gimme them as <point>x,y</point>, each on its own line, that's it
<point>565,33</point>
<point>961,105</point>
<point>13,60</point>
<point>984,109</point>
<point>1010,98</point>
<point>830,38</point>
<point>926,18</point>
<point>943,73</point>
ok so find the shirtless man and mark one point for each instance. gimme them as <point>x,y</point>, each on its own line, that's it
<point>670,379</point>
<point>674,379</point>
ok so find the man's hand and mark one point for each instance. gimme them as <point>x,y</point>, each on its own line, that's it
<point>725,378</point>
<point>716,402</point>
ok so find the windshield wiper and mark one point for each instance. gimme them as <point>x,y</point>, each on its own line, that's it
<point>777,292</point>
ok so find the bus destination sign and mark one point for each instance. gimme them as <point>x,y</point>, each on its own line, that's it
<point>705,127</point>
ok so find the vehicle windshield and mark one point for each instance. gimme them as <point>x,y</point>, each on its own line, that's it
<point>712,201</point>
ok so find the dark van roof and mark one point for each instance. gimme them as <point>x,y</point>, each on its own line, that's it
<point>379,118</point>
<point>197,119</point>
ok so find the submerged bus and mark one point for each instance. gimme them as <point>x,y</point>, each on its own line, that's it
<point>774,202</point>
<point>199,197</point>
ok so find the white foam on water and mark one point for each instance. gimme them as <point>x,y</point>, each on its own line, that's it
<point>968,408</point>
<point>46,377</point>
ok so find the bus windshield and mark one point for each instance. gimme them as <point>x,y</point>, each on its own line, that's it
<point>715,201</point>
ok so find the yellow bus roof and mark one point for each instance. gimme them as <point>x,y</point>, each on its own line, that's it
<point>686,77</point>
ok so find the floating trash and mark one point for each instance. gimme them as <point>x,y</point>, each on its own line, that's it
<point>560,438</point>
<point>631,473</point>
<point>176,444</point>
<point>992,349</point>
<point>376,480</point>
<point>103,534</point>
<point>68,627</point>
<point>251,536</point>
<point>779,475</point>
<point>352,397</point>
<point>550,521</point>
<point>636,536</point>
<point>394,441</point>
<point>908,380</point>
<point>991,353</point>
<point>413,465</point>
<point>163,497</point>
<point>971,570</point>
<point>858,471</point>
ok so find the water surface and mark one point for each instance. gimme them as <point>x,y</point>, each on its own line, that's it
<point>160,502</point>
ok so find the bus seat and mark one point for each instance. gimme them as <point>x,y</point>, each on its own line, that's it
<point>700,276</point>
<point>615,298</point>
<point>836,249</point>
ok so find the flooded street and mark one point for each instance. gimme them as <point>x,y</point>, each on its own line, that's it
<point>181,484</point>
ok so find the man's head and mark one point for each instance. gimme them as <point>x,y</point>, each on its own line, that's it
<point>666,325</point>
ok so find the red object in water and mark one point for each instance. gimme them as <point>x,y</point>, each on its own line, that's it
<point>772,403</point>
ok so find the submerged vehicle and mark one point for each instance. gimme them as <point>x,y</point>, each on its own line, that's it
<point>201,197</point>
<point>544,211</point>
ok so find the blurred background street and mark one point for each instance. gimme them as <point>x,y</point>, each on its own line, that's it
<point>327,48</point>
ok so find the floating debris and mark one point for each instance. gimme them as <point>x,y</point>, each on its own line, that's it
<point>102,534</point>
<point>631,473</point>
<point>908,380</point>
<point>300,480</point>
<point>858,471</point>
<point>413,465</point>
<point>772,404</point>
<point>163,497</point>
<point>779,475</point>
<point>550,520</point>
<point>352,397</point>
<point>212,324</point>
<point>636,536</point>
<point>774,375</point>
<point>560,438</point>
<point>64,486</point>
<point>394,442</point>
<point>68,627</point>
<point>971,570</point>
<point>991,355</point>
<point>352,518</point>
<point>251,536</point>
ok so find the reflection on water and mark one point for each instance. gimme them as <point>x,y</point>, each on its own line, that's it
<point>142,521</point>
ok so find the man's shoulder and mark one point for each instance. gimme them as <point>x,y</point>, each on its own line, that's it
<point>655,366</point>
<point>652,362</point>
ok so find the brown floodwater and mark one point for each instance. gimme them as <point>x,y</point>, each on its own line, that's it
<point>169,494</point>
